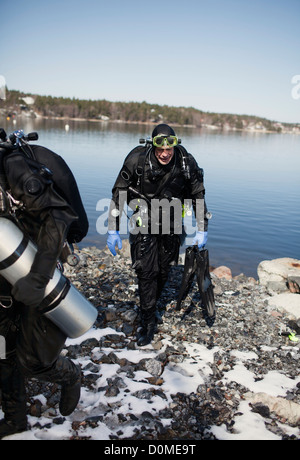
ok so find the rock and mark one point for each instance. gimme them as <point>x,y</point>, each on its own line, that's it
<point>274,274</point>
<point>154,367</point>
<point>288,302</point>
<point>193,376</point>
<point>125,251</point>
<point>222,272</point>
<point>36,408</point>
<point>293,281</point>
<point>110,314</point>
<point>295,325</point>
<point>112,391</point>
<point>286,409</point>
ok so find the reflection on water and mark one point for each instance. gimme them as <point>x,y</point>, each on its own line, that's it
<point>251,180</point>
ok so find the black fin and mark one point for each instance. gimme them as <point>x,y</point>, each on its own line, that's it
<point>204,282</point>
<point>190,266</point>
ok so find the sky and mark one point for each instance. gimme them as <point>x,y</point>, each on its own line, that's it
<point>228,56</point>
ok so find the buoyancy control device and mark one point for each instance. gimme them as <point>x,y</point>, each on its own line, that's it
<point>63,304</point>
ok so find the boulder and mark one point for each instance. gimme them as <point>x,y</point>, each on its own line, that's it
<point>222,272</point>
<point>286,301</point>
<point>284,408</point>
<point>278,275</point>
<point>293,280</point>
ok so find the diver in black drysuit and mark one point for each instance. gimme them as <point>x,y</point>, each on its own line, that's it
<point>152,254</point>
<point>33,342</point>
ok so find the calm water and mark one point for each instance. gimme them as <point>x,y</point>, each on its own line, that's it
<point>251,180</point>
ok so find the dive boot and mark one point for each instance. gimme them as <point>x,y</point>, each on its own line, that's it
<point>149,327</point>
<point>13,402</point>
<point>70,395</point>
<point>147,334</point>
<point>8,427</point>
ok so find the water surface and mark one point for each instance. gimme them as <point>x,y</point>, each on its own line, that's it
<point>251,180</point>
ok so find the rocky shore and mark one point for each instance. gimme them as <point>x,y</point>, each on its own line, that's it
<point>234,378</point>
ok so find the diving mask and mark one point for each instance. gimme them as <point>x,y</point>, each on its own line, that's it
<point>162,141</point>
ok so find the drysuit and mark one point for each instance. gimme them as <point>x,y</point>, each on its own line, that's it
<point>155,245</point>
<point>35,181</point>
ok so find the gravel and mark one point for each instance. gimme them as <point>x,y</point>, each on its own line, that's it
<point>246,350</point>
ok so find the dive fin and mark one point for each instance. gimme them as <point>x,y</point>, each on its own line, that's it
<point>190,266</point>
<point>205,283</point>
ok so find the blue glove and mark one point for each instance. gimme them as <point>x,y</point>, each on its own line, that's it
<point>112,240</point>
<point>200,239</point>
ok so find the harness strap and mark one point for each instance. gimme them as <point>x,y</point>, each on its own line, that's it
<point>139,171</point>
<point>59,293</point>
<point>140,168</point>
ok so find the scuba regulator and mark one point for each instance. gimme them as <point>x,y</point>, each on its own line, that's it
<point>7,145</point>
<point>151,143</point>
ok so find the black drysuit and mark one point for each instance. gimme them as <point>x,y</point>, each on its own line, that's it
<point>34,343</point>
<point>154,247</point>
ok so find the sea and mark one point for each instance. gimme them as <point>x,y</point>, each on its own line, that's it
<point>251,181</point>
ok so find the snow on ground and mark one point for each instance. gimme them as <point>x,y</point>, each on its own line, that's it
<point>182,377</point>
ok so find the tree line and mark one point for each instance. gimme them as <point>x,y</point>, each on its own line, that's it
<point>49,106</point>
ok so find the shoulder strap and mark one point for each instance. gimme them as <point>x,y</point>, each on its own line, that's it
<point>185,164</point>
<point>140,168</point>
<point>133,167</point>
<point>5,149</point>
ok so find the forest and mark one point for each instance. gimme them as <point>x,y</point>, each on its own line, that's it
<point>134,112</point>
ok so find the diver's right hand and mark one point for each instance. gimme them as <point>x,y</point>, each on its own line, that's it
<point>113,239</point>
<point>200,239</point>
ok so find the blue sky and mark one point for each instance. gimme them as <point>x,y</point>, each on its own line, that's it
<point>233,56</point>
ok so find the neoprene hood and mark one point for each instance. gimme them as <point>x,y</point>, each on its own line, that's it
<point>164,129</point>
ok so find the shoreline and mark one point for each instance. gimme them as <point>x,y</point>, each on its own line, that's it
<point>237,378</point>
<point>234,379</point>
<point>150,123</point>
<point>236,267</point>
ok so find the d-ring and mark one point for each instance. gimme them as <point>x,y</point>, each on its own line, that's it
<point>6,299</point>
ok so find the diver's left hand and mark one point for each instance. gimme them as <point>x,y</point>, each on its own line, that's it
<point>200,239</point>
<point>30,290</point>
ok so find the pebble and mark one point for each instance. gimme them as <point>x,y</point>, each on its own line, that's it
<point>244,323</point>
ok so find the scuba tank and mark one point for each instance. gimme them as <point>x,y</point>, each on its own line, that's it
<point>63,304</point>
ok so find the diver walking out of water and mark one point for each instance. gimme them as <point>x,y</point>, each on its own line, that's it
<point>155,180</point>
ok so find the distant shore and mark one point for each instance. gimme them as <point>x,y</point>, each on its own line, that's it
<point>68,120</point>
<point>18,104</point>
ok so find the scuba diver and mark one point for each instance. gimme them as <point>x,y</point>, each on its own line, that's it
<point>39,193</point>
<point>152,177</point>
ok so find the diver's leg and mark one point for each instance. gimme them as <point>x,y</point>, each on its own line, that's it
<point>144,252</point>
<point>38,350</point>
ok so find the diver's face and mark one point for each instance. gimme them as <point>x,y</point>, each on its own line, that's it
<point>164,155</point>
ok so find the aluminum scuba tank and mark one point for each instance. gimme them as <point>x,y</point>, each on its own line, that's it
<point>63,304</point>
